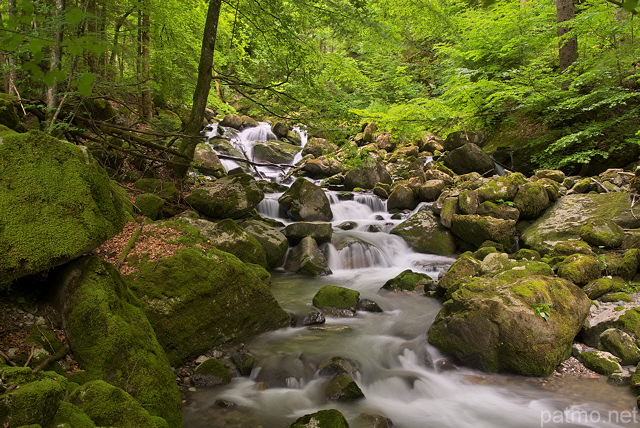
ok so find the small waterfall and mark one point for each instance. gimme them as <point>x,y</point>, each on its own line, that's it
<point>269,207</point>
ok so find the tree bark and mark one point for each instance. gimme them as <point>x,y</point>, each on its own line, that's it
<point>51,92</point>
<point>203,85</point>
<point>568,47</point>
<point>11,62</point>
<point>146,103</point>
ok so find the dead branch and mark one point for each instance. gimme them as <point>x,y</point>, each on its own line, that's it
<point>55,357</point>
<point>7,359</point>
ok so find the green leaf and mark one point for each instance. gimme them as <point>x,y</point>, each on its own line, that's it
<point>85,83</point>
<point>74,15</point>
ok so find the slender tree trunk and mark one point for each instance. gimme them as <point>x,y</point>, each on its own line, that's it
<point>11,62</point>
<point>568,49</point>
<point>51,92</point>
<point>203,84</point>
<point>146,103</point>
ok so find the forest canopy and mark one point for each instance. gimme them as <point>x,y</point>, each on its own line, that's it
<point>556,80</point>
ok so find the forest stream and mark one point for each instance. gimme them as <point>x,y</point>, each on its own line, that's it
<point>402,377</point>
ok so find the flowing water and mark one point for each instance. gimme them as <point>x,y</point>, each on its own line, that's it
<point>400,374</point>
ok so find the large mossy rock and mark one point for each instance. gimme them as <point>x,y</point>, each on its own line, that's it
<point>273,242</point>
<point>580,269</point>
<point>330,418</point>
<point>304,201</point>
<point>233,196</point>
<point>469,158</point>
<point>466,266</point>
<point>343,388</point>
<point>601,232</point>
<point>306,258</point>
<point>112,339</point>
<point>503,188</point>
<point>334,297</point>
<point>476,229</point>
<point>492,324</point>
<point>409,280</point>
<point>320,231</point>
<point>564,220</point>
<point>36,401</point>
<point>531,200</point>
<point>226,235</point>
<point>367,176</point>
<point>197,300</point>
<point>56,203</point>
<point>107,405</point>
<point>275,151</point>
<point>424,233</point>
<point>401,198</point>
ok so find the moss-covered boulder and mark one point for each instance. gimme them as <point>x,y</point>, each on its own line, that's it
<point>525,269</point>
<point>197,299</point>
<point>624,265</point>
<point>338,298</point>
<point>110,406</point>
<point>337,365</point>
<point>275,151</point>
<point>226,235</point>
<point>71,416</point>
<point>111,338</point>
<point>524,326</point>
<point>500,189</point>
<point>318,147</point>
<point>56,203</point>
<point>330,418</point>
<point>306,258</point>
<point>476,229</point>
<point>568,248</point>
<point>343,388</point>
<point>304,201</point>
<point>34,402</point>
<point>503,211</point>
<point>149,205</point>
<point>320,231</point>
<point>601,286</point>
<point>401,198</point>
<point>580,269</point>
<point>465,267</point>
<point>409,280</point>
<point>424,233</point>
<point>531,200</point>
<point>322,167</point>
<point>273,242</point>
<point>622,345</point>
<point>600,362</point>
<point>211,372</point>
<point>233,196</point>
<point>552,174</point>
<point>565,219</point>
<point>494,264</point>
<point>602,232</point>
<point>8,112</point>
<point>367,176</point>
<point>165,189</point>
<point>431,190</point>
<point>527,254</point>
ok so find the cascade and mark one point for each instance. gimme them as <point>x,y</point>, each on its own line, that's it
<point>399,372</point>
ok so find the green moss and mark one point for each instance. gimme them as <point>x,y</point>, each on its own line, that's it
<point>602,232</point>
<point>343,388</point>
<point>56,203</point>
<point>108,405</point>
<point>483,252</point>
<point>336,297</point>
<point>228,236</point>
<point>214,293</point>
<point>164,189</point>
<point>409,281</point>
<point>33,403</point>
<point>112,339</point>
<point>624,265</point>
<point>616,297</point>
<point>330,418</point>
<point>476,229</point>
<point>523,270</point>
<point>527,254</point>
<point>215,368</point>
<point>149,205</point>
<point>72,416</point>
<point>600,362</point>
<point>8,113</point>
<point>602,286</point>
<point>465,267</point>
<point>580,269</point>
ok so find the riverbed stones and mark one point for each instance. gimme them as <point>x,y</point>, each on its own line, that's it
<point>273,242</point>
<point>600,362</point>
<point>501,189</point>
<point>34,402</point>
<point>343,388</point>
<point>531,200</point>
<point>580,269</point>
<point>424,233</point>
<point>56,203</point>
<point>401,198</point>
<point>466,266</point>
<point>367,176</point>
<point>469,158</point>
<point>622,345</point>
<point>334,366</point>
<point>304,201</point>
<point>306,258</point>
<point>318,147</point>
<point>336,300</point>
<point>495,325</point>
<point>233,196</point>
<point>458,139</point>
<point>211,372</point>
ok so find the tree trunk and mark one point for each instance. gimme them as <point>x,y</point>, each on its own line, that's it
<point>568,48</point>
<point>51,91</point>
<point>11,62</point>
<point>146,103</point>
<point>203,84</point>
